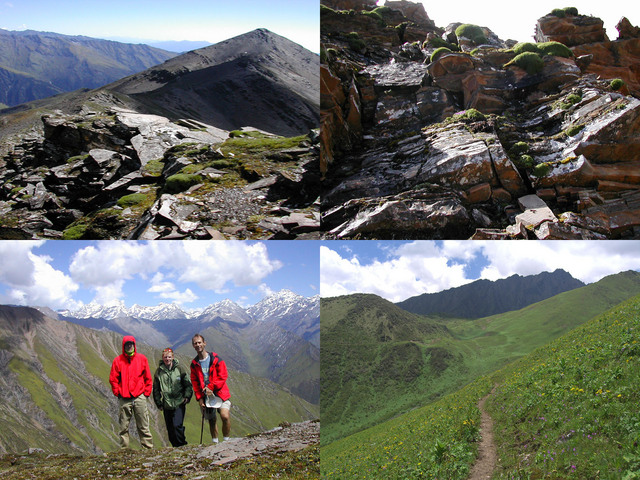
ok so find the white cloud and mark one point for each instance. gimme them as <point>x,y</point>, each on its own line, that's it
<point>210,265</point>
<point>426,267</point>
<point>30,278</point>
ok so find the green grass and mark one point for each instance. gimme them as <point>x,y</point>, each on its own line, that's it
<point>569,410</point>
<point>436,441</point>
<point>366,380</point>
<point>181,181</point>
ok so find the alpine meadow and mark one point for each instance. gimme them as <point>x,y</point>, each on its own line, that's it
<point>401,397</point>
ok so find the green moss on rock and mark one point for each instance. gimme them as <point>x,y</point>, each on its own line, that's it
<point>181,182</point>
<point>439,52</point>
<point>531,62</point>
<point>472,32</point>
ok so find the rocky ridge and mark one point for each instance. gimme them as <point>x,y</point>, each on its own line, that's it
<point>217,143</point>
<point>434,132</point>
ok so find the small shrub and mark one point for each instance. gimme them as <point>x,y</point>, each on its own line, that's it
<point>616,84</point>
<point>153,168</point>
<point>181,182</point>
<point>524,161</point>
<point>375,15</point>
<point>519,148</point>
<point>131,200</point>
<point>75,232</point>
<point>437,42</point>
<point>531,62</point>
<point>556,49</point>
<point>525,47</point>
<point>541,170</point>
<point>439,52</point>
<point>574,130</point>
<point>472,32</point>
<point>355,42</point>
<point>572,11</point>
<point>472,115</point>
<point>563,12</point>
<point>569,101</point>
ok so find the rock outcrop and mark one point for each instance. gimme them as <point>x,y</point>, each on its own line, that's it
<point>121,174</point>
<point>421,141</point>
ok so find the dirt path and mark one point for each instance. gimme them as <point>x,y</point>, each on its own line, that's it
<point>487,452</point>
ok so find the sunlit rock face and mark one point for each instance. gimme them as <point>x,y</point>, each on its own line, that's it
<point>446,148</point>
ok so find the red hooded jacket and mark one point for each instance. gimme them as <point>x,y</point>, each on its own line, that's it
<point>130,377</point>
<point>217,378</point>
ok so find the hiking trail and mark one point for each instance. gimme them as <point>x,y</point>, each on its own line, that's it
<point>487,453</point>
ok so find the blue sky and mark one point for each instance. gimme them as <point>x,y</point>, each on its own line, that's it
<point>517,20</point>
<point>397,270</point>
<point>67,274</point>
<point>209,20</point>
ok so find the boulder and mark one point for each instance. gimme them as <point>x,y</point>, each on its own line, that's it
<point>570,30</point>
<point>626,30</point>
<point>450,69</point>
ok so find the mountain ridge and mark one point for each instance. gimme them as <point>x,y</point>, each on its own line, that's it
<point>483,298</point>
<point>67,62</point>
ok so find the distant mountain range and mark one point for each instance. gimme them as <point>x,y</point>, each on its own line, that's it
<point>278,338</point>
<point>35,65</point>
<point>484,297</point>
<point>55,395</point>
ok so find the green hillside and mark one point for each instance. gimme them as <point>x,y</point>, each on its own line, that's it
<point>55,394</point>
<point>567,410</point>
<point>370,349</point>
<point>369,376</point>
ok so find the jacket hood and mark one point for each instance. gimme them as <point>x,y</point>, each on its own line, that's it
<point>129,338</point>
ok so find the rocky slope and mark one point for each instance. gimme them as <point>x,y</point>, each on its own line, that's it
<point>55,394</point>
<point>484,138</point>
<point>135,160</point>
<point>36,65</point>
<point>289,451</point>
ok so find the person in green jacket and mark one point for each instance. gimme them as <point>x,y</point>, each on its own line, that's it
<point>172,391</point>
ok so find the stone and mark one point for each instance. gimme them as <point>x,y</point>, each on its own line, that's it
<point>449,70</point>
<point>479,193</point>
<point>626,30</point>
<point>570,30</point>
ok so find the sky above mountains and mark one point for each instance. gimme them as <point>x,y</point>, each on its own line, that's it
<point>68,274</point>
<point>517,20</point>
<point>209,20</point>
<point>398,270</point>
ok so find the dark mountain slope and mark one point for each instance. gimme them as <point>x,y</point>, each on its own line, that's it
<point>483,297</point>
<point>259,79</point>
<point>67,63</point>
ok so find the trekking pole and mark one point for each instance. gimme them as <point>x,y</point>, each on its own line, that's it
<point>202,427</point>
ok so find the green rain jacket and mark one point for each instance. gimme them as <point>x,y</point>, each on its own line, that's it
<point>171,386</point>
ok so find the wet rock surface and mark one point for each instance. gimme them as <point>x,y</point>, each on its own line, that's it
<point>449,148</point>
<point>121,174</point>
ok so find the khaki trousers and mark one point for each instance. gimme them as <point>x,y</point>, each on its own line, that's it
<point>134,407</point>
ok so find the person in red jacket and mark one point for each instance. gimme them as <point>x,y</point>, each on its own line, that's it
<point>209,377</point>
<point>131,382</point>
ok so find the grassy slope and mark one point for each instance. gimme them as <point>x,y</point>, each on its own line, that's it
<point>365,382</point>
<point>567,410</point>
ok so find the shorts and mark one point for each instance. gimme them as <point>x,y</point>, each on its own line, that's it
<point>210,413</point>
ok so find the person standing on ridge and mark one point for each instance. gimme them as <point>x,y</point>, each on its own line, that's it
<point>171,392</point>
<point>130,380</point>
<point>209,377</point>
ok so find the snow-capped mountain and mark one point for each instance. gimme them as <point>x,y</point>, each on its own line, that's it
<point>163,311</point>
<point>227,310</point>
<point>283,304</point>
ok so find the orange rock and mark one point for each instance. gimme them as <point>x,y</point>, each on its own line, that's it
<point>570,30</point>
<point>479,193</point>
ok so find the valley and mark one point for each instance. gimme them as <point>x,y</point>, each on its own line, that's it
<point>561,406</point>
<point>56,397</point>
<point>416,360</point>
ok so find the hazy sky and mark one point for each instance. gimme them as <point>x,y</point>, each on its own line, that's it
<point>66,274</point>
<point>210,20</point>
<point>517,20</point>
<point>398,270</point>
